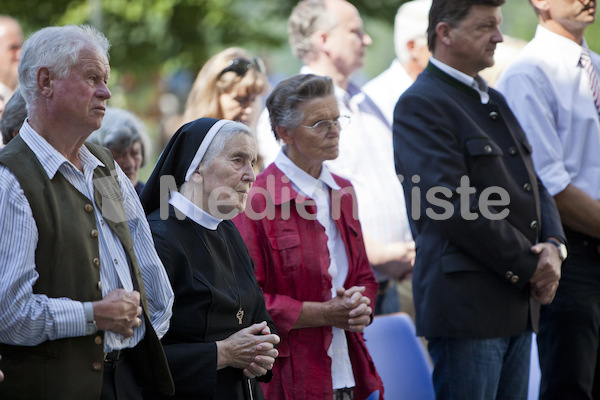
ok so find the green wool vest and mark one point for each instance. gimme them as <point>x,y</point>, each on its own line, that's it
<point>68,263</point>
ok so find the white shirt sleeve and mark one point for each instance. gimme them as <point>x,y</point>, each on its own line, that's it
<point>533,103</point>
<point>268,146</point>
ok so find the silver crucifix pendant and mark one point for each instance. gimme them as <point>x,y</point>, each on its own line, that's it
<point>240,315</point>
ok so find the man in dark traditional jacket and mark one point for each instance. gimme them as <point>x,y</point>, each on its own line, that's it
<point>487,232</point>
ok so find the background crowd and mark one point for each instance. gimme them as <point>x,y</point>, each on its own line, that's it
<point>275,306</point>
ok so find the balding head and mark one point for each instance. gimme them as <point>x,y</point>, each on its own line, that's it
<point>328,36</point>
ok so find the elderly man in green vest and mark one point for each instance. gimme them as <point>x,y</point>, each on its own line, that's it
<point>84,297</point>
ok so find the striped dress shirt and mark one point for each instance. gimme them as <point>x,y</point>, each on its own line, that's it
<point>29,319</point>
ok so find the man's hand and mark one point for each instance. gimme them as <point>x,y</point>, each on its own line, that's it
<point>119,311</point>
<point>544,281</point>
<point>395,260</point>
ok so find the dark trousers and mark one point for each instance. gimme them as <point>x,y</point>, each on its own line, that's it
<point>569,337</point>
<point>387,300</point>
<point>119,381</point>
<point>481,369</point>
<point>343,394</point>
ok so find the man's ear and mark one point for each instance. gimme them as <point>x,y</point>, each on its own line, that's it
<point>541,5</point>
<point>45,82</point>
<point>284,134</point>
<point>443,29</point>
<point>319,41</point>
<point>412,48</point>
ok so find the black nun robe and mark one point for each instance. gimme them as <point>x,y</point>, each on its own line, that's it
<point>212,276</point>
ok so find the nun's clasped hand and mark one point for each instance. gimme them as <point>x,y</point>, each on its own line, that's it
<point>251,349</point>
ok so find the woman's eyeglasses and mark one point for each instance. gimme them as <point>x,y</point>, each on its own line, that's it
<point>241,66</point>
<point>324,127</point>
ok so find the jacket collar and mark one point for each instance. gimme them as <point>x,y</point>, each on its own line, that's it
<point>438,73</point>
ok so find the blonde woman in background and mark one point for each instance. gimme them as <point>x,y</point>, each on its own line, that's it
<point>228,86</point>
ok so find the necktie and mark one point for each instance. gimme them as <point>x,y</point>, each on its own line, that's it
<point>586,63</point>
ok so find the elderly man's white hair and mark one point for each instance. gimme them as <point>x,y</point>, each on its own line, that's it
<point>56,48</point>
<point>411,23</point>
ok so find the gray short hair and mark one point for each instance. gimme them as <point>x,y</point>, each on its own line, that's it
<point>56,48</point>
<point>308,17</point>
<point>227,131</point>
<point>411,23</point>
<point>120,130</point>
<point>13,116</point>
<point>284,101</point>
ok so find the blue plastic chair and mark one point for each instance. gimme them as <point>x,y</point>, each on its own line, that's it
<point>535,375</point>
<point>400,358</point>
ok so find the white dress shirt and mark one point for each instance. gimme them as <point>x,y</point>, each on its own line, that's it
<point>268,146</point>
<point>386,88</point>
<point>550,94</point>
<point>30,319</point>
<point>317,189</point>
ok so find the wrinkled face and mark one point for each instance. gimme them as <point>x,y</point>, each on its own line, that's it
<point>80,97</point>
<point>573,14</point>
<point>228,179</point>
<point>11,40</point>
<point>474,39</point>
<point>130,160</point>
<point>307,148</point>
<point>346,42</point>
<point>238,105</point>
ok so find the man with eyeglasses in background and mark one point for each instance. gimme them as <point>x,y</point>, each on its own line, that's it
<point>328,36</point>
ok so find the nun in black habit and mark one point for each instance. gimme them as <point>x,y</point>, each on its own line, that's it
<point>221,339</point>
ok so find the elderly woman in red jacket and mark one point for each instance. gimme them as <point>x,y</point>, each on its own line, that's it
<point>302,230</point>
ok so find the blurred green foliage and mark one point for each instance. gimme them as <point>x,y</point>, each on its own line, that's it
<point>159,35</point>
